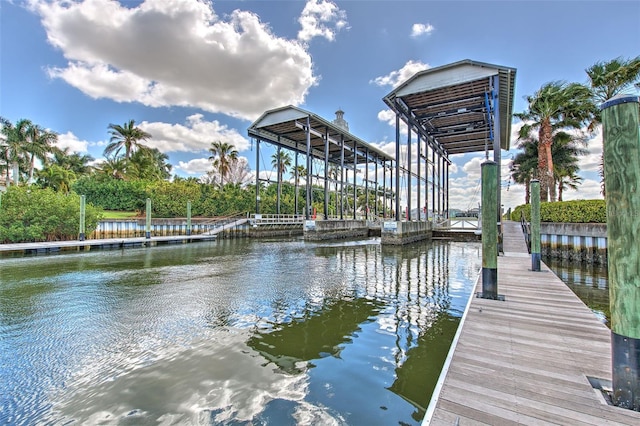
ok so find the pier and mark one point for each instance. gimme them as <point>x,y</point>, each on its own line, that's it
<point>46,247</point>
<point>538,357</point>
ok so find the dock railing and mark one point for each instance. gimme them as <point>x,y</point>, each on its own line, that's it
<point>275,219</point>
<point>457,223</point>
<point>526,230</point>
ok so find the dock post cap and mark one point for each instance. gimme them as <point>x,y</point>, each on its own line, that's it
<point>620,99</point>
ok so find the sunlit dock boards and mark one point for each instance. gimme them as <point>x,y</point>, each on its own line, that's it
<point>107,243</point>
<point>526,360</point>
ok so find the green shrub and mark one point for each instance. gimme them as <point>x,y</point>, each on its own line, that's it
<point>577,211</point>
<point>31,214</point>
<point>169,199</point>
<point>233,199</point>
<point>113,194</point>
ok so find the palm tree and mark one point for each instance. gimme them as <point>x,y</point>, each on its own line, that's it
<point>608,79</point>
<point>299,172</point>
<point>565,151</point>
<point>114,167</point>
<point>77,163</point>
<point>567,180</point>
<point>149,164</point>
<point>14,141</point>
<point>55,177</point>
<point>128,137</point>
<point>223,154</point>
<point>524,166</point>
<point>281,160</point>
<point>555,106</point>
<point>38,144</point>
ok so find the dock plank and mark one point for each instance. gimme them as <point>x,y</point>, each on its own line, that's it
<point>525,360</point>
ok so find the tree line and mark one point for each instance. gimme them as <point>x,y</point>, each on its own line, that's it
<point>551,139</point>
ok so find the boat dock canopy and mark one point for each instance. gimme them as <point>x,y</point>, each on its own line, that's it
<point>457,105</point>
<point>287,127</point>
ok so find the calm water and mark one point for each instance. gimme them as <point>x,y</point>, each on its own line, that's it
<point>230,332</point>
<point>588,282</point>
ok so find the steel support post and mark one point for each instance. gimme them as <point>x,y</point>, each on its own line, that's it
<point>409,173</point>
<point>433,182</point>
<point>257,176</point>
<point>375,203</point>
<point>307,209</point>
<point>279,176</point>
<point>326,175</point>
<point>497,154</point>
<point>446,188</point>
<point>397,183</point>
<point>419,155</point>
<point>384,189</point>
<point>355,169</point>
<point>341,177</point>
<point>366,184</point>
<point>297,176</point>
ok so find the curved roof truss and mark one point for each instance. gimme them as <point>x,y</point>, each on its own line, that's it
<point>460,107</point>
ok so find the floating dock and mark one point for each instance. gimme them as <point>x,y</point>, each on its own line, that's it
<point>536,358</point>
<point>107,243</point>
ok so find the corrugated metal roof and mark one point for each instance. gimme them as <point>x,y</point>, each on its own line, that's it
<point>449,103</point>
<point>285,127</point>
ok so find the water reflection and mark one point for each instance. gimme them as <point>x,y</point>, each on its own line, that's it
<point>314,335</point>
<point>589,282</point>
<point>230,332</point>
<point>414,378</point>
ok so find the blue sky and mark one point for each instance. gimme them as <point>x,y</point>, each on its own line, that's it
<point>192,72</point>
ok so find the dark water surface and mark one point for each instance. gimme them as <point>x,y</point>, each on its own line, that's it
<point>230,332</point>
<point>589,282</point>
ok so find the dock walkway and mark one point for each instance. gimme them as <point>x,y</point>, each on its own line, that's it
<point>104,243</point>
<point>526,360</point>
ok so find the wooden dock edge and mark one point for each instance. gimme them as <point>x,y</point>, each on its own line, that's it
<point>431,408</point>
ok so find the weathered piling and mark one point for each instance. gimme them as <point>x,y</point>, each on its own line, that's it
<point>621,136</point>
<point>489,178</point>
<point>83,210</point>
<point>535,225</point>
<point>148,222</point>
<point>188,217</point>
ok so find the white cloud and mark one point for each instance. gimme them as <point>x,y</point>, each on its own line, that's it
<point>394,78</point>
<point>71,141</point>
<point>389,117</point>
<point>421,29</point>
<point>591,161</point>
<point>177,53</point>
<point>195,135</point>
<point>321,18</point>
<point>197,166</point>
<point>589,189</point>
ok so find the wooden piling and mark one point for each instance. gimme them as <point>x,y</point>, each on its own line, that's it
<point>620,121</point>
<point>489,178</point>
<point>535,225</point>
<point>148,222</point>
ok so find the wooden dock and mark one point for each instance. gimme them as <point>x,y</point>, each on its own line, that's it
<point>94,244</point>
<point>528,359</point>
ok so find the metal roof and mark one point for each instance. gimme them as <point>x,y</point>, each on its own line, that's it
<point>449,103</point>
<point>286,127</point>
